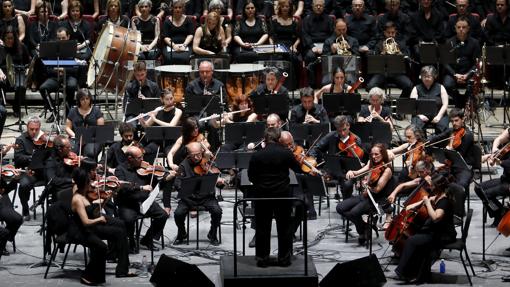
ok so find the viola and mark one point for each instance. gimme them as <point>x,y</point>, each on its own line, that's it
<point>416,155</point>
<point>205,167</point>
<point>148,169</point>
<point>503,151</point>
<point>456,139</point>
<point>351,148</point>
<point>308,163</point>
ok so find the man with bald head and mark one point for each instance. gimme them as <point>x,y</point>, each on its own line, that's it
<point>130,196</point>
<point>361,26</point>
<point>205,84</point>
<point>209,201</point>
<point>58,174</point>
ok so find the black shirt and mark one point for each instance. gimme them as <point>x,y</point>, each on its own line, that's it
<point>329,144</point>
<point>433,93</point>
<point>38,33</point>
<point>147,28</point>
<point>443,229</point>
<point>178,34</point>
<point>186,170</point>
<point>365,112</point>
<point>496,31</point>
<point>197,87</point>
<point>262,90</point>
<point>90,119</point>
<point>23,151</point>
<point>250,34</point>
<point>284,34</point>
<point>130,195</point>
<point>401,20</point>
<point>298,113</point>
<point>58,172</point>
<point>475,29</point>
<point>466,53</point>
<point>269,170</point>
<point>353,45</point>
<point>115,155</point>
<point>426,30</point>
<point>363,29</point>
<point>316,29</point>
<point>464,148</point>
<point>149,90</point>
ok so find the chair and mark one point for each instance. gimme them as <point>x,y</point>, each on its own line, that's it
<point>198,209</point>
<point>138,231</point>
<point>59,241</point>
<point>460,245</point>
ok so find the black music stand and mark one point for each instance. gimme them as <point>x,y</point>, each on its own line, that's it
<point>196,105</point>
<point>244,133</point>
<point>95,134</point>
<point>235,161</point>
<point>313,185</point>
<point>500,56</point>
<point>350,64</point>
<point>374,132</point>
<point>386,64</point>
<point>267,104</point>
<point>431,53</point>
<point>198,186</point>
<point>162,134</point>
<point>416,107</point>
<point>140,106</point>
<point>341,103</point>
<point>308,133</point>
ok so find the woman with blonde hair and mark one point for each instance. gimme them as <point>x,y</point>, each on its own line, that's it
<point>210,37</point>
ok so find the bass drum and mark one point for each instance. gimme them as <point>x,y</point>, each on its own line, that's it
<point>115,49</point>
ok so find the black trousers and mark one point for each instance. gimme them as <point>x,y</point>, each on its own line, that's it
<point>95,269</point>
<point>264,211</point>
<point>12,219</point>
<point>402,81</point>
<point>26,184</point>
<point>451,86</point>
<point>3,117</point>
<point>52,85</point>
<point>211,205</point>
<point>463,178</point>
<point>416,259</point>
<point>156,213</point>
<point>493,189</point>
<point>439,127</point>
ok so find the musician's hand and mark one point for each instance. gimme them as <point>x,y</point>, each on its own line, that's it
<point>146,188</point>
<point>423,118</point>
<point>350,174</point>
<point>375,115</point>
<point>250,146</point>
<point>309,119</point>
<point>391,155</point>
<point>167,210</point>
<point>101,219</point>
<point>365,193</point>
<point>483,22</point>
<point>111,170</point>
<point>140,96</point>
<point>174,167</point>
<point>145,48</point>
<point>436,119</point>
<point>391,198</point>
<point>293,49</point>
<point>171,174</point>
<point>220,181</point>
<point>426,200</point>
<point>247,46</point>
<point>364,49</point>
<point>2,76</point>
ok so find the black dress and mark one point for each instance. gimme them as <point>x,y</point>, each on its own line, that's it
<point>90,150</point>
<point>210,42</point>
<point>148,30</point>
<point>178,35</point>
<point>249,34</point>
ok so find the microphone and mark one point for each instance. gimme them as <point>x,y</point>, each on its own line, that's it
<point>460,44</point>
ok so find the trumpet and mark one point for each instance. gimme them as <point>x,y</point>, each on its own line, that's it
<point>390,47</point>
<point>343,47</point>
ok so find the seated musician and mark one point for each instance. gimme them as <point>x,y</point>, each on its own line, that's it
<point>116,152</point>
<point>430,89</point>
<point>91,228</point>
<point>389,45</point>
<point>467,50</point>
<point>140,87</point>
<point>337,84</point>
<point>205,84</point>
<point>317,27</point>
<point>20,57</point>
<point>272,121</point>
<point>188,168</point>
<point>52,85</point>
<point>84,114</point>
<point>461,140</point>
<point>80,30</point>
<point>58,168</point>
<point>113,15</point>
<point>249,31</point>
<point>375,111</point>
<point>378,181</point>
<point>362,26</point>
<point>307,112</point>
<point>243,106</point>
<point>23,153</point>
<point>340,43</point>
<point>396,15</point>
<point>332,143</point>
<point>225,19</point>
<point>495,29</point>
<point>177,35</point>
<point>271,85</point>
<point>426,25</point>
<point>463,10</point>
<point>490,191</point>
<point>149,27</point>
<point>209,39</point>
<point>412,152</point>
<point>130,197</point>
<point>12,219</point>
<point>419,249</point>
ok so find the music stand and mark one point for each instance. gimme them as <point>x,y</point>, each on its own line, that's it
<point>500,56</point>
<point>308,132</point>
<point>416,106</point>
<point>196,105</point>
<point>244,133</point>
<point>350,64</point>
<point>138,106</point>
<point>162,134</point>
<point>235,161</point>
<point>198,186</point>
<point>268,104</point>
<point>341,103</point>
<point>431,53</point>
<point>95,134</point>
<point>443,154</point>
<point>374,132</point>
<point>313,185</point>
<point>386,64</point>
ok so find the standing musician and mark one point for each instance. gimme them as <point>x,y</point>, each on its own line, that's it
<point>467,50</point>
<point>196,164</point>
<point>378,182</point>
<point>462,141</point>
<point>375,111</point>
<point>205,84</point>
<point>271,85</point>
<point>25,147</point>
<point>84,114</point>
<point>342,142</point>
<point>416,258</point>
<point>430,89</point>
<point>91,228</point>
<point>140,87</point>
<point>337,85</point>
<point>131,196</point>
<point>413,151</point>
<point>308,112</point>
<point>269,172</point>
<point>491,190</point>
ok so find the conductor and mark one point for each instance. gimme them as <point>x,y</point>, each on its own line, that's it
<point>269,172</point>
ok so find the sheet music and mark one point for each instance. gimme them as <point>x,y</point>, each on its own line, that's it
<point>148,202</point>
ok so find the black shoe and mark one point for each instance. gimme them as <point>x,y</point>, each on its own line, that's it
<point>212,238</point>
<point>147,242</point>
<point>262,263</point>
<point>312,216</point>
<point>5,252</point>
<point>252,242</point>
<point>362,241</point>
<point>50,119</point>
<point>180,238</point>
<point>284,263</point>
<point>26,218</point>
<point>129,274</point>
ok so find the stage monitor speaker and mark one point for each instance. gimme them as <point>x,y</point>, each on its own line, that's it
<point>364,271</point>
<point>173,272</point>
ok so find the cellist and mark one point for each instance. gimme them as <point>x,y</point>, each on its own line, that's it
<point>413,152</point>
<point>415,260</point>
<point>332,144</point>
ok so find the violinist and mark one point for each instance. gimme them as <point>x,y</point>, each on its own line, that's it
<point>419,249</point>
<point>115,155</point>
<point>84,114</point>
<point>430,89</point>
<point>413,151</point>
<point>58,169</point>
<point>461,140</point>
<point>189,168</point>
<point>12,219</point>
<point>491,191</point>
<point>342,142</point>
<point>23,153</point>
<point>130,197</point>
<point>307,112</point>
<point>92,229</point>
<point>378,181</point>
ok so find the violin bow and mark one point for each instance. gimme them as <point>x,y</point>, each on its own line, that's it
<point>79,152</point>
<point>154,167</point>
<point>313,144</point>
<point>212,161</point>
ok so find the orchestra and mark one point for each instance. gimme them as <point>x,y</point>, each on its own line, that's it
<point>118,179</point>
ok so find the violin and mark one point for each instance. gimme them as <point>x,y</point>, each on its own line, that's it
<point>456,139</point>
<point>308,163</point>
<point>416,155</point>
<point>148,169</point>
<point>43,141</point>
<point>351,148</point>
<point>10,170</point>
<point>72,159</point>
<point>375,173</point>
<point>205,167</point>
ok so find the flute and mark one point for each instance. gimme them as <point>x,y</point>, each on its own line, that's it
<point>144,115</point>
<point>217,116</point>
